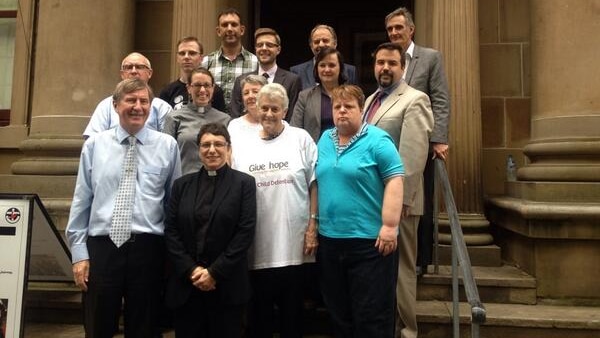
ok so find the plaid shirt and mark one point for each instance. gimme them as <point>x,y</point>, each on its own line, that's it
<point>225,71</point>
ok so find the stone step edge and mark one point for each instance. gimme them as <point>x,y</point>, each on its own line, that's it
<point>508,279</point>
<point>515,315</point>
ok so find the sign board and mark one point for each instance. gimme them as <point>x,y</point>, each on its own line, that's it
<point>30,249</point>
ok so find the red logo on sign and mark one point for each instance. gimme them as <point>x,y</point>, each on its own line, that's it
<point>12,215</point>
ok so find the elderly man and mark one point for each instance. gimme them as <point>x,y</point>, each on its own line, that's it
<point>320,37</point>
<point>115,229</point>
<point>133,66</point>
<point>189,56</point>
<point>405,113</point>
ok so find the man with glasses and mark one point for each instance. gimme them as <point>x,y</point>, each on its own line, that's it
<point>231,59</point>
<point>189,56</point>
<point>133,66</point>
<point>267,48</point>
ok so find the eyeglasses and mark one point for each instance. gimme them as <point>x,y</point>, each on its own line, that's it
<point>266,44</point>
<point>129,67</point>
<point>217,145</point>
<point>199,85</point>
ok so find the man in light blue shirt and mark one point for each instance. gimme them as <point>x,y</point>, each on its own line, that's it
<point>134,65</point>
<point>133,271</point>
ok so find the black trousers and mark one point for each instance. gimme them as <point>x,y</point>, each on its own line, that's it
<point>425,232</point>
<point>131,275</point>
<point>204,316</point>
<point>359,287</point>
<point>281,287</point>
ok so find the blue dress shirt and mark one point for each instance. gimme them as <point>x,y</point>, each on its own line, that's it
<point>98,181</point>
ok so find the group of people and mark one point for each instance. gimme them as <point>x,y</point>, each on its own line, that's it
<point>212,198</point>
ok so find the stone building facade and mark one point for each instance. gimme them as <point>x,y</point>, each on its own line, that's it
<point>522,82</point>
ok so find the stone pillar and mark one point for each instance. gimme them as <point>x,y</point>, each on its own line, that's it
<point>199,19</point>
<point>454,32</point>
<point>548,221</point>
<point>79,48</point>
<point>565,132</point>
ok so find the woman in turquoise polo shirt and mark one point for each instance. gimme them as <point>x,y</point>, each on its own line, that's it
<point>359,176</point>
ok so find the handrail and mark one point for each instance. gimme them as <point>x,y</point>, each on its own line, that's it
<point>460,256</point>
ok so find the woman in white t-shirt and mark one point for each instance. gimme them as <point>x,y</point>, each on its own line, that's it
<point>245,128</point>
<point>282,160</point>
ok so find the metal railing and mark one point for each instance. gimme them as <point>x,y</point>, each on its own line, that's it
<point>460,256</point>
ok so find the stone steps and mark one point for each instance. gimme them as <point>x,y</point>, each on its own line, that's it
<point>503,284</point>
<point>511,320</point>
<point>59,303</point>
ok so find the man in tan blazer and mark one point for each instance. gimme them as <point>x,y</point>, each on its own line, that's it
<point>405,113</point>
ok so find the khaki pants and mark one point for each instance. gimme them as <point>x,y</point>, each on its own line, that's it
<point>406,286</point>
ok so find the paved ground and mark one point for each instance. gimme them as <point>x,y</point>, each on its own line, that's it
<point>39,330</point>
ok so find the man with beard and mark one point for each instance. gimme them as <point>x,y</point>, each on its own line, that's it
<point>425,72</point>
<point>267,47</point>
<point>189,56</point>
<point>231,59</point>
<point>405,113</point>
<point>321,36</point>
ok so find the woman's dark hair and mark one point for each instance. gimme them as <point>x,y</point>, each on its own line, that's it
<point>201,70</point>
<point>217,129</point>
<point>321,55</point>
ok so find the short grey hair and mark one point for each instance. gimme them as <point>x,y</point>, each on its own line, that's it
<point>274,91</point>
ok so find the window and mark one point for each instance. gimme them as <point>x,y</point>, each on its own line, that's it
<point>8,17</point>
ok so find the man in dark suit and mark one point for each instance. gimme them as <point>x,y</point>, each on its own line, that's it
<point>425,72</point>
<point>268,46</point>
<point>321,36</point>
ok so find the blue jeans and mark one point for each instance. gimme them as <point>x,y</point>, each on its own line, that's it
<point>358,286</point>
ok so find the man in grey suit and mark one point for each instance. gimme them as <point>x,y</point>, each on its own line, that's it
<point>320,37</point>
<point>424,72</point>
<point>405,113</point>
<point>268,46</point>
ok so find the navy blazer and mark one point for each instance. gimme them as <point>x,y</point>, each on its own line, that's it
<point>290,81</point>
<point>230,233</point>
<point>305,71</point>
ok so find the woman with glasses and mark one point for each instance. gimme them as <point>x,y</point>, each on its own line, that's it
<point>209,227</point>
<point>183,124</point>
<point>282,160</point>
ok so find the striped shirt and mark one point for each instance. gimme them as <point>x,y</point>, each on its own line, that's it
<point>336,140</point>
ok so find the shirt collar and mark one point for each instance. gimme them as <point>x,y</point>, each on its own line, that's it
<point>271,71</point>
<point>243,53</point>
<point>411,49</point>
<point>122,135</point>
<point>387,91</point>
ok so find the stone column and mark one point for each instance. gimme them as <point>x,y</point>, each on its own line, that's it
<point>565,132</point>
<point>548,221</point>
<point>454,32</point>
<point>79,47</point>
